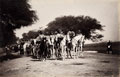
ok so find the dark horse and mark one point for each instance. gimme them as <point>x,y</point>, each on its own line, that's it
<point>43,49</point>
<point>68,48</point>
<point>57,47</point>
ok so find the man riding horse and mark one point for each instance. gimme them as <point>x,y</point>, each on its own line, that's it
<point>69,45</point>
<point>57,46</point>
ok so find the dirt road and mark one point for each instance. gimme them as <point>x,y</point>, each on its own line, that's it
<point>91,65</point>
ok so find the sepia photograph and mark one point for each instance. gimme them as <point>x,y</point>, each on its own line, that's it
<point>59,38</point>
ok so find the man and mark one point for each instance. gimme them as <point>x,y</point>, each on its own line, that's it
<point>7,49</point>
<point>57,44</point>
<point>109,47</point>
<point>69,45</point>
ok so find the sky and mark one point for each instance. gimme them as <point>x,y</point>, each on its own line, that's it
<point>105,11</point>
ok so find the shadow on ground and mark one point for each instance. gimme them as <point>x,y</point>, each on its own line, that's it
<point>9,57</point>
<point>35,60</point>
<point>105,61</point>
<point>78,63</point>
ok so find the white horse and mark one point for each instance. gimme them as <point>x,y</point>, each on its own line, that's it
<point>78,42</point>
<point>51,43</point>
<point>35,47</point>
<point>63,46</point>
<point>26,44</point>
<point>66,46</point>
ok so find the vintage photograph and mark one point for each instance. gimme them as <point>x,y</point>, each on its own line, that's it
<point>59,38</point>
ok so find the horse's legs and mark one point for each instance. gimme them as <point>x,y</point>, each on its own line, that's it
<point>76,52</point>
<point>51,51</point>
<point>32,51</point>
<point>59,52</point>
<point>46,54</point>
<point>69,51</point>
<point>62,52</point>
<point>56,52</point>
<point>81,50</point>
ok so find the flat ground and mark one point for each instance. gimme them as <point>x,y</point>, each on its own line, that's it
<point>91,65</point>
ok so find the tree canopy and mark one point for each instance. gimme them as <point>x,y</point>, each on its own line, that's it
<point>30,35</point>
<point>14,14</point>
<point>17,13</point>
<point>80,24</point>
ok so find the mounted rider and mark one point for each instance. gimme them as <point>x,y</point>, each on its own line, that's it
<point>57,41</point>
<point>69,45</point>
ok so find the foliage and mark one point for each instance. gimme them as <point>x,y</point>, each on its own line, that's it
<point>30,35</point>
<point>81,24</point>
<point>14,14</point>
<point>17,13</point>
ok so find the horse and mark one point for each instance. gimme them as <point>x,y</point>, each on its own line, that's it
<point>43,52</point>
<point>72,45</point>
<point>27,48</point>
<point>57,45</point>
<point>50,43</point>
<point>63,47</point>
<point>78,43</point>
<point>68,43</point>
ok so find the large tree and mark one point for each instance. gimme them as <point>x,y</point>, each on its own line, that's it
<point>14,14</point>
<point>30,35</point>
<point>81,24</point>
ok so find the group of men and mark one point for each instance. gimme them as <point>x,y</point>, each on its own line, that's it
<point>58,46</point>
<point>18,47</point>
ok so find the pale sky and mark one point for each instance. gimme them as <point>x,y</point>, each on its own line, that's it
<point>105,11</point>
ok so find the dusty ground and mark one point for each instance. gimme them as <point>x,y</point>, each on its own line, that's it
<point>91,65</point>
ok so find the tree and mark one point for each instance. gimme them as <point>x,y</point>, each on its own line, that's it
<point>25,36</point>
<point>64,23</point>
<point>81,24</point>
<point>30,35</point>
<point>14,14</point>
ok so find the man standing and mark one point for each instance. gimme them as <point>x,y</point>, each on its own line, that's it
<point>109,47</point>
